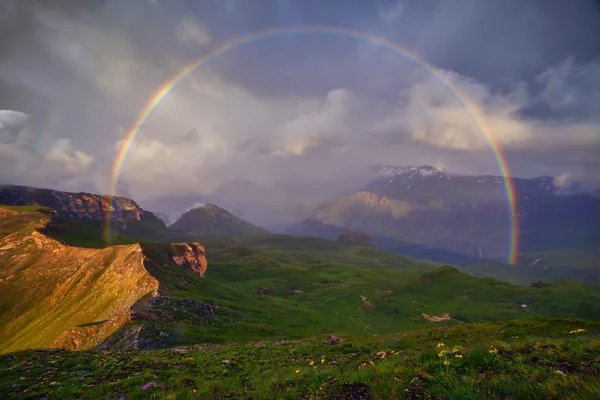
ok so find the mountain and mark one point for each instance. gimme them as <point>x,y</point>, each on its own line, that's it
<point>126,216</point>
<point>57,290</point>
<point>461,215</point>
<point>155,321</point>
<point>211,219</point>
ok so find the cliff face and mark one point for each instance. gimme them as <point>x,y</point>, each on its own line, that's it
<point>81,206</point>
<point>56,295</point>
<point>190,255</point>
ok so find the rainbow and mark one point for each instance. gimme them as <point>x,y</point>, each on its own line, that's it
<point>167,86</point>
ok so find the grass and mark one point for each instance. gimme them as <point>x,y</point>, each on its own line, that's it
<point>314,287</point>
<point>533,358</point>
<point>221,337</point>
<point>577,264</point>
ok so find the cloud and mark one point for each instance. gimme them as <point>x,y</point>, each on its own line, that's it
<point>562,181</point>
<point>21,162</point>
<point>104,57</point>
<point>74,161</point>
<point>290,108</point>
<point>191,30</point>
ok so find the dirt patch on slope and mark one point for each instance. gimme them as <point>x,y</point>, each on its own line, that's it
<point>437,318</point>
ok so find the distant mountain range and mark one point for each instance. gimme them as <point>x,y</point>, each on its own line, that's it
<point>457,215</point>
<point>417,211</point>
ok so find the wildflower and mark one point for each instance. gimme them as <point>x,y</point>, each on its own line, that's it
<point>455,349</point>
<point>440,345</point>
<point>458,356</point>
<point>446,362</point>
<point>441,354</point>
<point>322,360</point>
<point>577,330</point>
<point>194,390</point>
<point>297,371</point>
<point>312,363</point>
<point>493,351</point>
<point>371,362</point>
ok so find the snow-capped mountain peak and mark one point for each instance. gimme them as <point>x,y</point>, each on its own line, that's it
<point>424,171</point>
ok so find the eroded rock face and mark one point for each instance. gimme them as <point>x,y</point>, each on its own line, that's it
<point>191,256</point>
<point>80,206</point>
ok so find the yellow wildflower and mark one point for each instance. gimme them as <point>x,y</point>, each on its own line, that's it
<point>440,345</point>
<point>322,360</point>
<point>459,356</point>
<point>493,351</point>
<point>455,349</point>
<point>297,371</point>
<point>441,354</point>
<point>446,362</point>
<point>577,330</point>
<point>371,362</point>
<point>312,363</point>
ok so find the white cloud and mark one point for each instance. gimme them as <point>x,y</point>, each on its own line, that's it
<point>74,161</point>
<point>190,30</point>
<point>22,163</point>
<point>563,180</point>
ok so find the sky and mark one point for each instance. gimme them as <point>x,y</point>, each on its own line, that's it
<point>306,108</point>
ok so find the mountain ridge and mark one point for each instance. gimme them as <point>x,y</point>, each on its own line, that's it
<point>461,214</point>
<point>125,214</point>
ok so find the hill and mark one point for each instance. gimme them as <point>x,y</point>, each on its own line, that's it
<point>258,287</point>
<point>464,215</point>
<point>580,265</point>
<point>56,295</point>
<point>211,219</point>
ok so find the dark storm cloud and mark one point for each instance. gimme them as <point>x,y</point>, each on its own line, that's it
<point>293,107</point>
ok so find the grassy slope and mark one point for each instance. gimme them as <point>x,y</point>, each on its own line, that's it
<point>50,289</point>
<point>522,359</point>
<point>332,278</point>
<point>581,265</point>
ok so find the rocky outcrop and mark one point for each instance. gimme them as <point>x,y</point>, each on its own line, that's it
<point>81,206</point>
<point>190,255</point>
<point>264,290</point>
<point>354,237</point>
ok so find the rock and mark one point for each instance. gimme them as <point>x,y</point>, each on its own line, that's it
<point>264,289</point>
<point>149,385</point>
<point>81,206</point>
<point>354,237</point>
<point>297,291</point>
<point>331,340</point>
<point>190,255</point>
